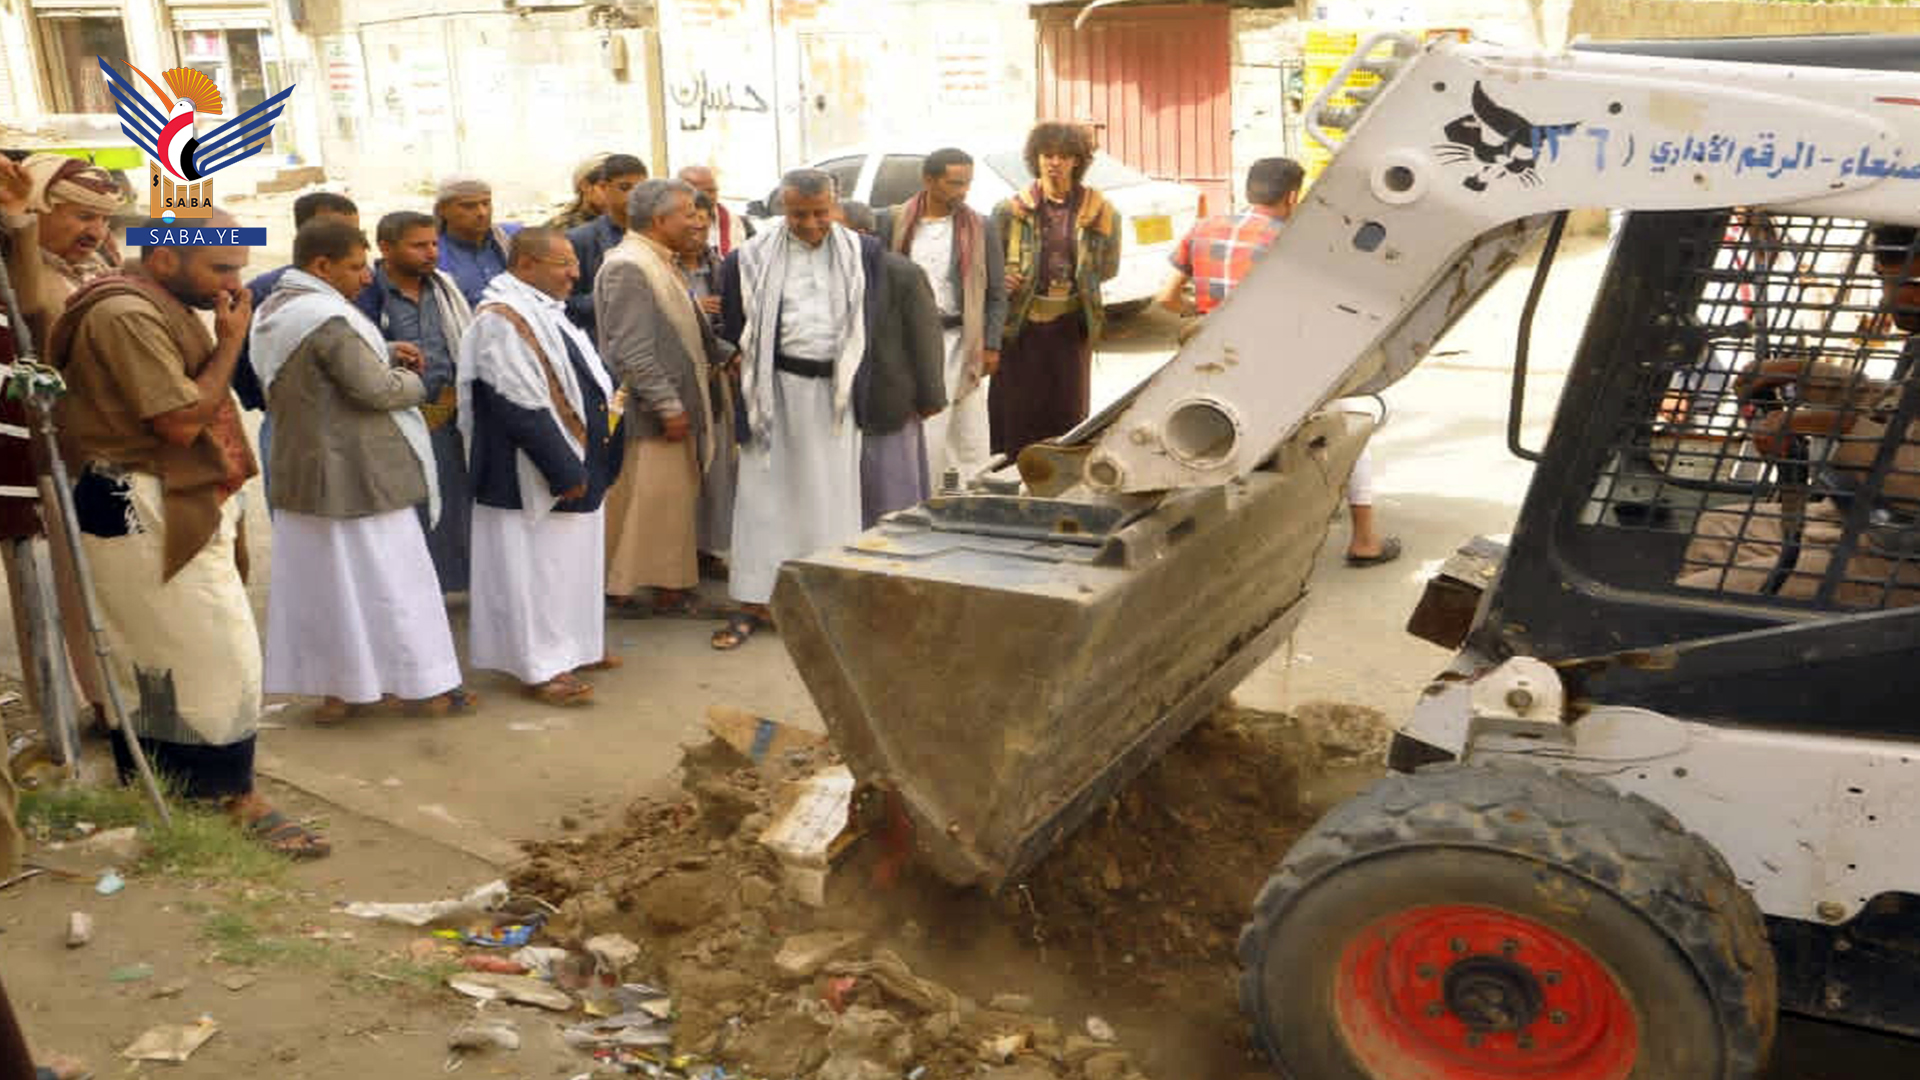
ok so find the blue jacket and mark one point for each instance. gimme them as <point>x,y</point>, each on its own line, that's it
<point>591,242</point>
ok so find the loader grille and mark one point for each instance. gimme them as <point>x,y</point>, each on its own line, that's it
<point>1768,448</point>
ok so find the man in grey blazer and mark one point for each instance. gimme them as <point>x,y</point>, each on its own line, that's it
<point>660,346</point>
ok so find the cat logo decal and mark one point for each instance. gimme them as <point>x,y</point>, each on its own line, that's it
<point>1498,142</point>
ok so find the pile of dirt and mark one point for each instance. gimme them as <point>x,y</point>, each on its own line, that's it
<point>1112,961</point>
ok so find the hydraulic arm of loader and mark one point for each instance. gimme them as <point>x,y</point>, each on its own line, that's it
<point>998,666</point>
<point>1439,184</point>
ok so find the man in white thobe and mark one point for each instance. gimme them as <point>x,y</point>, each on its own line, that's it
<point>355,614</point>
<point>797,301</point>
<point>965,262</point>
<point>533,415</point>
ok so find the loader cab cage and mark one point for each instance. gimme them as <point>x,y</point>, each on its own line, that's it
<point>1736,448</point>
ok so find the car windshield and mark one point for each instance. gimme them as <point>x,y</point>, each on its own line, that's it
<point>1106,172</point>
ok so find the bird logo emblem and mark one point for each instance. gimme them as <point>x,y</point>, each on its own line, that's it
<point>179,159</point>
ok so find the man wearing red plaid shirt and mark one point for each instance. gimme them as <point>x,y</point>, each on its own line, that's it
<point>1215,256</point>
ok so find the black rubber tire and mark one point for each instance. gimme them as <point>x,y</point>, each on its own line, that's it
<point>1617,874</point>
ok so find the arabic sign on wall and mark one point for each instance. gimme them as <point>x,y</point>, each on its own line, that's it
<point>346,75</point>
<point>721,100</point>
<point>964,66</point>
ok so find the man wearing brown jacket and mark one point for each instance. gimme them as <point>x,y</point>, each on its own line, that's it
<point>151,433</point>
<point>355,614</point>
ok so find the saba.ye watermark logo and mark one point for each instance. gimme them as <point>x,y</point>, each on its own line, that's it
<point>180,162</point>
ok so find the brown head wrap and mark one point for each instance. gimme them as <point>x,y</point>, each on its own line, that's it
<point>59,179</point>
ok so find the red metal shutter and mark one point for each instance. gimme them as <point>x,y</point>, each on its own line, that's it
<point>1155,81</point>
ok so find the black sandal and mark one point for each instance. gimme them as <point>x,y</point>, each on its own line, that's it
<point>1389,551</point>
<point>284,836</point>
<point>741,625</point>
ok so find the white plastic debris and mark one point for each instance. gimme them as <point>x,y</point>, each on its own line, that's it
<point>486,898</point>
<point>811,830</point>
<point>498,1032</point>
<point>627,1029</point>
<point>172,1042</point>
<point>516,988</point>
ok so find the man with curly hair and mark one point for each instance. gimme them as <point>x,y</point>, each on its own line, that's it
<point>1063,242</point>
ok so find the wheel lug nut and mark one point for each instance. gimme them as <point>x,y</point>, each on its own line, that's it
<point>1436,1010</point>
<point>1524,1042</point>
<point>1458,945</point>
<point>1509,947</point>
<point>1557,1016</point>
<point>1473,1040</point>
<point>1425,971</point>
<point>1551,978</point>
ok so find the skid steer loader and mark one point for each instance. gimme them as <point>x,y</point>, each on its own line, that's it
<point>1666,786</point>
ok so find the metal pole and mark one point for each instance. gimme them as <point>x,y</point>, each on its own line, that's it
<point>63,491</point>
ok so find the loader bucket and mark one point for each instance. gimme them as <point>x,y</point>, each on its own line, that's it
<point>1002,666</point>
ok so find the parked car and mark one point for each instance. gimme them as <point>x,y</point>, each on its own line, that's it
<point>1154,214</point>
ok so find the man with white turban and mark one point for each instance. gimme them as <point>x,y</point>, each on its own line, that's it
<point>472,248</point>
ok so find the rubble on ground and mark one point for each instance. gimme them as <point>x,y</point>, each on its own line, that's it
<point>683,945</point>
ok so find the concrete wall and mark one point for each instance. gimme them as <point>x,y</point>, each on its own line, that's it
<point>754,89</point>
<point>1517,23</point>
<point>1266,46</point>
<point>407,95</point>
<point>19,87</point>
<point>1615,20</point>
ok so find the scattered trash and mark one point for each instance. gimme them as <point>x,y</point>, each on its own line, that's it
<point>538,960</point>
<point>130,973</point>
<point>626,1030</point>
<point>839,992</point>
<point>171,988</point>
<point>79,929</point>
<point>510,936</point>
<point>894,977</point>
<point>274,709</point>
<point>803,955</point>
<point>9,698</point>
<point>518,988</point>
<point>424,950</point>
<point>172,1042</point>
<point>480,901</point>
<point>1012,1003</point>
<point>121,845</point>
<point>811,831</point>
<point>612,954</point>
<point>23,875</point>
<point>497,965</point>
<point>758,739</point>
<point>1100,1029</point>
<point>1001,1049</point>
<point>110,882</point>
<point>499,1032</point>
<point>239,981</point>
